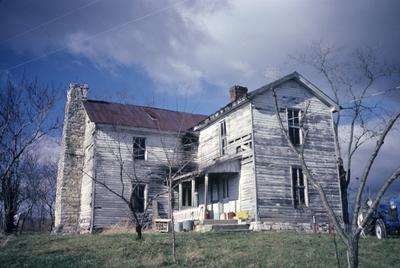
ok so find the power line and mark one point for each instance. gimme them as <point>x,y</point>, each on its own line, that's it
<point>116,27</point>
<point>49,21</point>
<point>372,95</point>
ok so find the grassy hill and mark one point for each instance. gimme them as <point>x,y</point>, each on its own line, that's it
<point>267,249</point>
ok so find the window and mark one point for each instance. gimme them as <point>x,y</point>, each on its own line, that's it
<point>244,147</point>
<point>139,148</point>
<point>139,197</point>
<point>294,125</point>
<point>223,140</point>
<point>299,184</point>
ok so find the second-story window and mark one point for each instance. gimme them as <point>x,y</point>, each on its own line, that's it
<point>223,140</point>
<point>294,126</point>
<point>139,148</point>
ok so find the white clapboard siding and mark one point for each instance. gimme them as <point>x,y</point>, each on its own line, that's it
<point>273,157</point>
<point>87,177</point>
<point>160,146</point>
<point>239,133</point>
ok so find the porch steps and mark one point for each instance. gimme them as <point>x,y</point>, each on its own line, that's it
<point>222,226</point>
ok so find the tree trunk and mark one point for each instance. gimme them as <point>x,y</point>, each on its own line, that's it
<point>10,210</point>
<point>171,214</point>
<point>343,188</point>
<point>9,226</point>
<point>345,203</point>
<point>138,231</point>
<point>352,253</point>
<point>51,219</point>
<point>10,195</point>
<point>138,226</point>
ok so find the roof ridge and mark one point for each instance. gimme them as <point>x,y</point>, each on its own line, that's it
<point>142,106</point>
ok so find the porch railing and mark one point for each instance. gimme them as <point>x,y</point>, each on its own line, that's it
<point>195,213</point>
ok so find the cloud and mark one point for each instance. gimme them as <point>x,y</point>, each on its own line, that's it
<point>47,149</point>
<point>182,44</point>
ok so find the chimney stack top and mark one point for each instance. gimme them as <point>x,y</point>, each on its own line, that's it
<point>236,92</point>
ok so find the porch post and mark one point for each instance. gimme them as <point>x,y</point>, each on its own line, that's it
<point>193,191</point>
<point>180,196</point>
<point>205,193</point>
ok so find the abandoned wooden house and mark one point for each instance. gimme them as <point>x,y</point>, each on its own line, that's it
<point>233,162</point>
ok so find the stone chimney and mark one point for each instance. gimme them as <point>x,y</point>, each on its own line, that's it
<point>70,165</point>
<point>236,92</point>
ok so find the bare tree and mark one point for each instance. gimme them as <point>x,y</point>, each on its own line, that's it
<point>349,237</point>
<point>37,193</point>
<point>352,78</point>
<point>47,188</point>
<point>178,161</point>
<point>24,119</point>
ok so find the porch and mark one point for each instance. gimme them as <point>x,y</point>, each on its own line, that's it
<point>211,195</point>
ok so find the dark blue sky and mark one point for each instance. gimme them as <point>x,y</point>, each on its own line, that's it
<point>185,54</point>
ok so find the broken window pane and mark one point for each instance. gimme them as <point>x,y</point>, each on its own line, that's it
<point>294,126</point>
<point>139,148</point>
<point>139,198</point>
<point>299,188</point>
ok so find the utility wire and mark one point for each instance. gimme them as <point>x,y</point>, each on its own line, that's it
<point>372,95</point>
<point>116,27</point>
<point>49,22</point>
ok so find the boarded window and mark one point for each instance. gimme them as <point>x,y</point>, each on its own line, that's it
<point>300,198</point>
<point>139,197</point>
<point>139,148</point>
<point>294,125</point>
<point>223,140</point>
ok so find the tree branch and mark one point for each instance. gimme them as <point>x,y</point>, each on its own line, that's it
<point>357,204</point>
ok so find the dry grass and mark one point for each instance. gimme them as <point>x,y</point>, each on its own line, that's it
<point>119,228</point>
<point>4,240</point>
<point>194,250</point>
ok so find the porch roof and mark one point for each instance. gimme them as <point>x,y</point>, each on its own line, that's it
<point>231,165</point>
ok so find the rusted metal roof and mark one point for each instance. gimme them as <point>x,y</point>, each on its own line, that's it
<point>140,116</point>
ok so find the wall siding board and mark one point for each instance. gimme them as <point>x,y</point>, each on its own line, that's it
<point>111,209</point>
<point>274,157</point>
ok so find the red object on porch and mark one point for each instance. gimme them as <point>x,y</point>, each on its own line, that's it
<point>207,214</point>
<point>231,215</point>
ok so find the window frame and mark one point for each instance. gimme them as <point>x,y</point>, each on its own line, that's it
<point>223,141</point>
<point>136,155</point>
<point>299,205</point>
<point>294,126</point>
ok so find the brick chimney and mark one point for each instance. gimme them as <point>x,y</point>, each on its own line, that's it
<point>236,92</point>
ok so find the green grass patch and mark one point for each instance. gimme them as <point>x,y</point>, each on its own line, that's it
<point>267,249</point>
